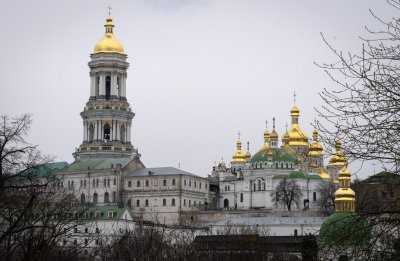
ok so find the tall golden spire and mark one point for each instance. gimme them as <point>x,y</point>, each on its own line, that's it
<point>109,44</point>
<point>344,196</point>
<point>238,157</point>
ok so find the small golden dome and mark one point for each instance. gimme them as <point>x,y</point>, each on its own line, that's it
<point>338,159</point>
<point>274,135</point>
<point>323,174</point>
<point>109,44</point>
<point>315,148</point>
<point>238,157</point>
<point>312,165</point>
<point>294,110</point>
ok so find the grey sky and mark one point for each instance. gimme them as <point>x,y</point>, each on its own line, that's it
<point>200,70</point>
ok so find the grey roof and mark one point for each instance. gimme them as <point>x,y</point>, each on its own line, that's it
<point>268,221</point>
<point>163,171</point>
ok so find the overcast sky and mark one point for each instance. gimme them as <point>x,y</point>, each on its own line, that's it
<point>200,70</point>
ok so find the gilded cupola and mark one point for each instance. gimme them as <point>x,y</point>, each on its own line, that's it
<point>109,43</point>
<point>344,196</point>
<point>315,148</point>
<point>338,159</point>
<point>296,136</point>
<point>323,174</point>
<point>274,134</point>
<point>238,157</point>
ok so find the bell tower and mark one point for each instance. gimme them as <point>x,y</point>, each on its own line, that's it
<point>107,116</point>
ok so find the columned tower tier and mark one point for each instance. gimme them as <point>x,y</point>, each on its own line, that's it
<point>107,116</point>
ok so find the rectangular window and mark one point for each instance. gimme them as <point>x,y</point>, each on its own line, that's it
<point>195,184</point>
<point>164,182</point>
<point>190,183</point>
<point>138,183</point>
<point>241,197</point>
<point>129,184</point>
<point>295,232</point>
<point>97,183</point>
<point>115,181</point>
<point>200,185</point>
<point>147,183</point>
<point>184,182</point>
<point>110,214</point>
<point>173,182</point>
<point>314,196</point>
<point>84,183</point>
<point>105,183</point>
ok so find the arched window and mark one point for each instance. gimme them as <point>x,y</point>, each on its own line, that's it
<point>259,184</point>
<point>114,196</point>
<point>108,87</point>
<point>83,198</point>
<point>147,202</point>
<point>138,203</point>
<point>106,197</point>
<point>123,133</point>
<point>91,132</point>
<point>314,196</point>
<point>106,132</point>
<point>173,202</point>
<point>287,165</point>
<point>276,165</point>
<point>164,202</point>
<point>282,165</point>
<point>95,198</point>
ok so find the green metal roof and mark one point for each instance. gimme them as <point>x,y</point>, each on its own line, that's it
<point>97,164</point>
<point>45,170</point>
<point>297,175</point>
<point>278,155</point>
<point>344,228</point>
<point>103,212</point>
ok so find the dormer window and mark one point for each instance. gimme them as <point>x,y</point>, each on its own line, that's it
<point>111,214</point>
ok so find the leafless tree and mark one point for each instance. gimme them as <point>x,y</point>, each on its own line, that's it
<point>287,193</point>
<point>326,201</point>
<point>364,107</point>
<point>365,104</point>
<point>34,212</point>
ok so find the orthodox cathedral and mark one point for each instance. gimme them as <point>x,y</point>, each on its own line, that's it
<point>251,181</point>
<point>107,169</point>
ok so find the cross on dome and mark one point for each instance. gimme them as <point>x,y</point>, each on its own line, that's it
<point>109,10</point>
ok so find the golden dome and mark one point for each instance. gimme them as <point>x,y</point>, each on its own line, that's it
<point>274,134</point>
<point>296,136</point>
<point>344,196</point>
<point>315,148</point>
<point>238,157</point>
<point>108,44</point>
<point>312,165</point>
<point>294,111</point>
<point>338,159</point>
<point>323,174</point>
